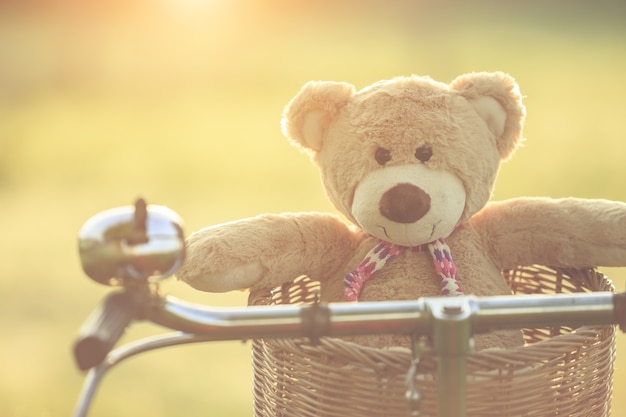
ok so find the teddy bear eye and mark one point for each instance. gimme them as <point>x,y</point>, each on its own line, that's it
<point>382,156</point>
<point>423,153</point>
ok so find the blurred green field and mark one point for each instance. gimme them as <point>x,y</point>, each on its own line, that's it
<point>182,105</point>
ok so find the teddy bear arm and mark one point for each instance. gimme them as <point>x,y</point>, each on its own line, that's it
<point>265,251</point>
<point>570,232</point>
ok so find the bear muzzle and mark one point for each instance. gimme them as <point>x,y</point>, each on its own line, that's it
<point>404,203</point>
<point>408,205</point>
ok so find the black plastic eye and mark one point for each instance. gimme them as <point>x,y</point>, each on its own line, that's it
<point>423,153</point>
<point>382,156</point>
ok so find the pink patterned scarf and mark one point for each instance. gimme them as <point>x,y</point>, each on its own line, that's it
<point>384,252</point>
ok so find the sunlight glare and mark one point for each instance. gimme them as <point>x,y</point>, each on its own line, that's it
<point>191,6</point>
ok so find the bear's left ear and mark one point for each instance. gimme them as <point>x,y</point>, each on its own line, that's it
<point>496,98</point>
<point>307,116</point>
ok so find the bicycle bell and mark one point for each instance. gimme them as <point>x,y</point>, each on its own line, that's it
<point>132,243</point>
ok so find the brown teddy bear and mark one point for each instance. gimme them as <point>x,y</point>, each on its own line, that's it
<point>411,163</point>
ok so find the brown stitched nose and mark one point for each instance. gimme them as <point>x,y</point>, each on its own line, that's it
<point>404,203</point>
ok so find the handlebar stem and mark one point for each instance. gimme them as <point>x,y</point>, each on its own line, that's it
<point>452,342</point>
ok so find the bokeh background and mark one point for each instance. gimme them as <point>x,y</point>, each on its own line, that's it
<point>180,101</point>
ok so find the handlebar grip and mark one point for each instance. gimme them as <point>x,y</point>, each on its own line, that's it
<point>104,327</point>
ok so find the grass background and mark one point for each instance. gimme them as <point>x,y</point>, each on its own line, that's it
<point>179,101</point>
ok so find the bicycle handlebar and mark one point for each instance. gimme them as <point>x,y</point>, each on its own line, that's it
<point>410,317</point>
<point>106,325</point>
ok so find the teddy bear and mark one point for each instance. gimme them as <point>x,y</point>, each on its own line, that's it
<point>410,165</point>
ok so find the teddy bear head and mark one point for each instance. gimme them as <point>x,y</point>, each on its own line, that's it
<point>408,159</point>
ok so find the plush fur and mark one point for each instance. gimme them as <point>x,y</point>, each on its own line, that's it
<point>408,160</point>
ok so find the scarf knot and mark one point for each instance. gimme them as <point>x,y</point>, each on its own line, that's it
<point>384,252</point>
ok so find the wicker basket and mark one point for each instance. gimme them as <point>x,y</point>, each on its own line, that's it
<point>559,372</point>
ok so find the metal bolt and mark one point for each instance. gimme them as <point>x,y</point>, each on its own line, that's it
<point>453,309</point>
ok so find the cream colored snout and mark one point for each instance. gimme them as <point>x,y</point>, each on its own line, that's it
<point>409,205</point>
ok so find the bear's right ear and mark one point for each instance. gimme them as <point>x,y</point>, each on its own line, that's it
<point>307,116</point>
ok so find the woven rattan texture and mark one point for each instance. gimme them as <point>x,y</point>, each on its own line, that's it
<point>559,372</point>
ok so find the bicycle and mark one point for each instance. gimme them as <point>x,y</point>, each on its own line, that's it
<point>135,247</point>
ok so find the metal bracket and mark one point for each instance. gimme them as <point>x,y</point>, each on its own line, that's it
<point>452,342</point>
